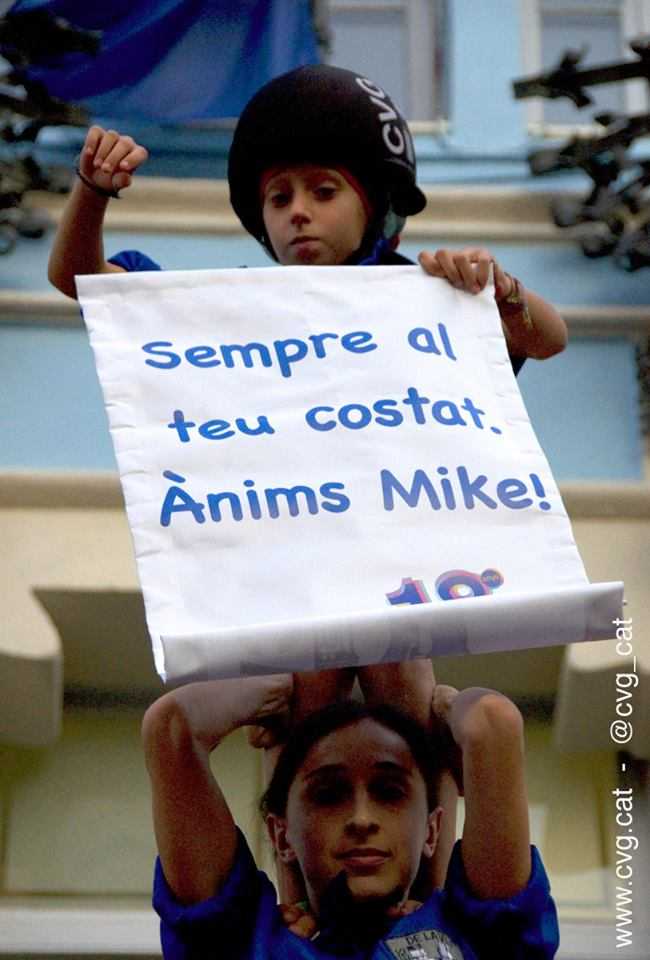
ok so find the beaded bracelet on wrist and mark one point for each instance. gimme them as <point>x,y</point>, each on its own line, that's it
<point>515,306</point>
<point>113,194</point>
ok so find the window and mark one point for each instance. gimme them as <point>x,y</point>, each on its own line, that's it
<point>603,30</point>
<point>401,45</point>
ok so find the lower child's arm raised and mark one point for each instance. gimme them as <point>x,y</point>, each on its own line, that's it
<point>488,728</point>
<point>195,830</point>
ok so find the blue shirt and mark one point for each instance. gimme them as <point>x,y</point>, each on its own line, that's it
<point>242,922</point>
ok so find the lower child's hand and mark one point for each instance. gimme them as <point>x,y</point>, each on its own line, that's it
<point>264,700</point>
<point>215,708</point>
<point>443,697</point>
<point>272,733</point>
<point>404,909</point>
<point>298,919</point>
<point>467,269</point>
<point>240,700</point>
<point>312,691</point>
<point>108,159</point>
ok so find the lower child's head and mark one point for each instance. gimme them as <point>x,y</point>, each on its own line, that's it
<point>353,803</point>
<point>309,139</point>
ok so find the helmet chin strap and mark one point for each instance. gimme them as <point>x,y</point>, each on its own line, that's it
<point>382,231</point>
<point>385,240</point>
<point>393,224</point>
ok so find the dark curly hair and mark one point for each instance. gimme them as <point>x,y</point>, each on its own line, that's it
<point>427,749</point>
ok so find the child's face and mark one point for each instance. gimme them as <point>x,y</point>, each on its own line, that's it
<point>359,804</point>
<point>312,215</point>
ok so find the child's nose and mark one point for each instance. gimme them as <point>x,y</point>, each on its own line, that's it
<point>362,819</point>
<point>300,209</point>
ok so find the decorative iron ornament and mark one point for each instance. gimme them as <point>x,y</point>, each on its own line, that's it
<point>25,108</point>
<point>614,218</point>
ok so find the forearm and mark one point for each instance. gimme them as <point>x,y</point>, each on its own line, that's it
<point>78,245</point>
<point>489,730</point>
<point>185,725</point>
<point>540,335</point>
<point>214,708</point>
<point>195,831</point>
<point>180,730</point>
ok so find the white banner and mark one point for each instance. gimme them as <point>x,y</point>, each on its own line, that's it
<point>319,463</point>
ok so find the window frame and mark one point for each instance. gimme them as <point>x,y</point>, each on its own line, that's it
<point>635,20</point>
<point>419,24</point>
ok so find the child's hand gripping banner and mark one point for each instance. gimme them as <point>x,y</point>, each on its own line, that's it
<point>326,467</point>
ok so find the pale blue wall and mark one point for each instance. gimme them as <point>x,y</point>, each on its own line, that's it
<point>486,57</point>
<point>51,402</point>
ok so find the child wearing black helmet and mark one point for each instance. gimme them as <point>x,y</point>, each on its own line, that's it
<point>329,118</point>
<point>321,171</point>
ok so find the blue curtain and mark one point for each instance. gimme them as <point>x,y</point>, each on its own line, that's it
<point>176,60</point>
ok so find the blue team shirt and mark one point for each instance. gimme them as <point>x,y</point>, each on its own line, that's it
<point>242,922</point>
<point>133,261</point>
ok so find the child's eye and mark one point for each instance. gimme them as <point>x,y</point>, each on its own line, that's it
<point>325,192</point>
<point>328,794</point>
<point>389,792</point>
<point>278,199</point>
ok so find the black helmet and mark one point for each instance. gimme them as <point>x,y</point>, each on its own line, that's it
<point>330,116</point>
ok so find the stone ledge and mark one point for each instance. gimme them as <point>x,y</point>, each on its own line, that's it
<point>18,307</point>
<point>57,490</point>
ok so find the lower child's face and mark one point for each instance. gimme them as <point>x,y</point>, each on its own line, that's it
<point>358,805</point>
<point>312,215</point>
